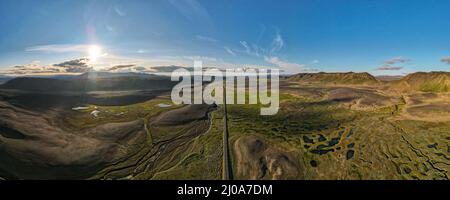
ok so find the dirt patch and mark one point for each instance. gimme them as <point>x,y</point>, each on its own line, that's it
<point>34,146</point>
<point>427,107</point>
<point>42,102</point>
<point>258,159</point>
<point>184,115</point>
<point>436,112</point>
<point>361,99</point>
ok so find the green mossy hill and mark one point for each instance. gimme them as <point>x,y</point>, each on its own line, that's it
<point>349,78</point>
<point>424,82</point>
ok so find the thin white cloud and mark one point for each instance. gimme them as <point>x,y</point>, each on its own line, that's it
<point>277,43</point>
<point>60,48</point>
<point>396,60</point>
<point>67,67</point>
<point>109,28</point>
<point>113,63</point>
<point>203,58</point>
<point>252,50</point>
<point>228,50</point>
<point>121,67</point>
<point>193,11</point>
<point>205,38</point>
<point>287,67</point>
<point>446,60</point>
<point>119,11</point>
<point>141,51</point>
<point>256,50</point>
<point>80,65</point>
<point>245,45</point>
<point>389,64</point>
<point>272,49</point>
<point>261,33</point>
<point>269,53</point>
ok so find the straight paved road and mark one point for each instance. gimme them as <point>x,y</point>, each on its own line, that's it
<point>227,171</point>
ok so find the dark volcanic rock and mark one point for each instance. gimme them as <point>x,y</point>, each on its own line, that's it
<point>306,139</point>
<point>433,146</point>
<point>322,138</point>
<point>313,163</point>
<point>350,154</point>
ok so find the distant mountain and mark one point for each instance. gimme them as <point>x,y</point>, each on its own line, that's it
<point>91,81</point>
<point>170,68</point>
<point>389,78</point>
<point>350,78</point>
<point>102,75</point>
<point>5,78</point>
<point>424,81</point>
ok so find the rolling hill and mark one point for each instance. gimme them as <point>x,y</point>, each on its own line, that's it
<point>91,81</point>
<point>350,78</point>
<point>424,82</point>
<point>4,78</point>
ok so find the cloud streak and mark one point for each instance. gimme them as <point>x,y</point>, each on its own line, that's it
<point>270,53</point>
<point>206,38</point>
<point>277,43</point>
<point>75,66</point>
<point>229,51</point>
<point>119,67</point>
<point>273,48</point>
<point>389,64</point>
<point>287,67</point>
<point>59,48</point>
<point>193,11</point>
<point>119,11</point>
<point>396,60</point>
<point>446,60</point>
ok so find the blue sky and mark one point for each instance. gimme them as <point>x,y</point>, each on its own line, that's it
<point>380,37</point>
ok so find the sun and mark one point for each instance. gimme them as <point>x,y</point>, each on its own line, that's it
<point>94,52</point>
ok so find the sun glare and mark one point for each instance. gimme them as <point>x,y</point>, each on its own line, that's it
<point>94,52</point>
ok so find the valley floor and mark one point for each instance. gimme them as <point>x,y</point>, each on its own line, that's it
<point>333,132</point>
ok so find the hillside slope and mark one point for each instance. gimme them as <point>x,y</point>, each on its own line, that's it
<point>90,82</point>
<point>350,78</point>
<point>424,82</point>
